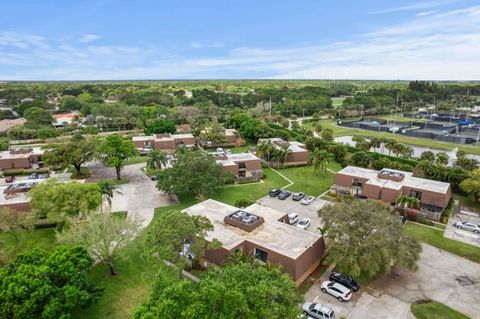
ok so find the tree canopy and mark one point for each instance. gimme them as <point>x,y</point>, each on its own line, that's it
<point>365,239</point>
<point>160,125</point>
<point>471,185</point>
<point>243,290</point>
<point>114,150</point>
<point>48,285</point>
<point>193,172</point>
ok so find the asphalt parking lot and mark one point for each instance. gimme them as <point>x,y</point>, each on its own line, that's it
<point>462,235</point>
<point>290,206</point>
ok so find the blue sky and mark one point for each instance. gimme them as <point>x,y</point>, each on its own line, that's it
<point>146,39</point>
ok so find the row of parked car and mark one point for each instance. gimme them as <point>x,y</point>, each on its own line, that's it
<point>467,226</point>
<point>283,194</point>
<point>11,179</point>
<point>340,286</point>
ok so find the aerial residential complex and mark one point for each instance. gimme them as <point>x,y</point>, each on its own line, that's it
<point>240,165</point>
<point>388,185</point>
<point>298,153</point>
<point>165,142</point>
<point>21,158</point>
<point>261,231</point>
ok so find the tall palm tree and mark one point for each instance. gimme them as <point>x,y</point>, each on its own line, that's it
<point>265,150</point>
<point>107,189</point>
<point>390,145</point>
<point>320,159</point>
<point>157,159</point>
<point>375,143</point>
<point>285,152</point>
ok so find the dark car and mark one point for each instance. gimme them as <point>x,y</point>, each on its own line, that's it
<point>43,176</point>
<point>284,194</point>
<point>33,176</point>
<point>274,192</point>
<point>345,280</point>
<point>298,196</point>
<point>9,179</point>
<point>154,178</point>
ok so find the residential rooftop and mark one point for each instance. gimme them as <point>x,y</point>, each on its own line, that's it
<point>229,159</point>
<point>408,180</point>
<point>273,234</point>
<point>21,153</point>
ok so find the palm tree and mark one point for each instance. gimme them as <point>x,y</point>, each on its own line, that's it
<point>320,159</point>
<point>265,150</point>
<point>157,159</point>
<point>107,189</point>
<point>390,145</point>
<point>285,152</point>
<point>375,142</point>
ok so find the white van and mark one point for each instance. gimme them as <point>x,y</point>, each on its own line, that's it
<point>292,218</point>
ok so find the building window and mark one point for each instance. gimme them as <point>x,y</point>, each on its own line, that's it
<point>261,255</point>
<point>416,194</point>
<point>242,165</point>
<point>356,182</point>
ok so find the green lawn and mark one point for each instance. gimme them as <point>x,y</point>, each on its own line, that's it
<point>136,160</point>
<point>84,173</point>
<point>435,238</point>
<point>27,240</point>
<point>305,180</point>
<point>337,101</point>
<point>426,142</point>
<point>435,310</point>
<point>115,181</point>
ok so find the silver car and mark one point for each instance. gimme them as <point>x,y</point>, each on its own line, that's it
<point>468,226</point>
<point>318,311</point>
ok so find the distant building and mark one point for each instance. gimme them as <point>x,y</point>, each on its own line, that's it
<point>388,185</point>
<point>298,151</point>
<point>6,125</point>
<point>263,232</point>
<point>21,158</point>
<point>231,138</point>
<point>241,165</point>
<point>26,100</point>
<point>64,119</point>
<point>165,142</point>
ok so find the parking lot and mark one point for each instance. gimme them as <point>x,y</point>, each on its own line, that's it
<point>290,206</point>
<point>462,235</point>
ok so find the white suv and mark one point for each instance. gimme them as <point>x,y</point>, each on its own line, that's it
<point>468,226</point>
<point>337,290</point>
<point>318,311</point>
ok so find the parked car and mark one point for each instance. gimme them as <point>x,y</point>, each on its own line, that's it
<point>318,311</point>
<point>43,176</point>
<point>284,195</point>
<point>337,290</point>
<point>303,223</point>
<point>298,196</point>
<point>154,178</point>
<point>33,176</point>
<point>345,280</point>
<point>220,150</point>
<point>274,192</point>
<point>228,152</point>
<point>292,218</point>
<point>468,226</point>
<point>307,200</point>
<point>9,179</point>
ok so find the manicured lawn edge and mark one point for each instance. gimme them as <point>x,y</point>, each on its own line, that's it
<point>435,310</point>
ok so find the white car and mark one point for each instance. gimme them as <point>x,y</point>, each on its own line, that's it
<point>292,218</point>
<point>317,311</point>
<point>220,150</point>
<point>303,223</point>
<point>307,200</point>
<point>468,226</point>
<point>337,290</point>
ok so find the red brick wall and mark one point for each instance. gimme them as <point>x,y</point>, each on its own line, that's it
<point>390,195</point>
<point>298,157</point>
<point>430,198</point>
<point>371,191</point>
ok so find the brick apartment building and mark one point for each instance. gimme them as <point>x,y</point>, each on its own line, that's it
<point>231,138</point>
<point>240,165</point>
<point>21,158</point>
<point>164,142</point>
<point>388,185</point>
<point>298,151</point>
<point>263,232</point>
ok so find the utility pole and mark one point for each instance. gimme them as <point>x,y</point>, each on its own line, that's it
<point>270,106</point>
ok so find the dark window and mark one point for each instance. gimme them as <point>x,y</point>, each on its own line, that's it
<point>356,182</point>
<point>416,194</point>
<point>242,165</point>
<point>261,255</point>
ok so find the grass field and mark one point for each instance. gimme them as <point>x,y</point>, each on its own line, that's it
<point>136,160</point>
<point>435,310</point>
<point>305,180</point>
<point>26,240</point>
<point>435,238</point>
<point>426,142</point>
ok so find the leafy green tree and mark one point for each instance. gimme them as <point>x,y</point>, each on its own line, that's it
<point>62,200</point>
<point>69,103</point>
<point>468,164</point>
<point>103,235</point>
<point>240,290</point>
<point>236,120</point>
<point>365,239</point>
<point>114,150</point>
<point>248,128</point>
<point>169,233</point>
<point>215,134</point>
<point>339,152</point>
<point>157,159</point>
<point>427,156</point>
<point>48,285</point>
<point>442,158</point>
<point>36,117</point>
<point>327,135</point>
<point>409,202</point>
<point>193,172</point>
<point>74,152</point>
<point>160,125</point>
<point>471,185</point>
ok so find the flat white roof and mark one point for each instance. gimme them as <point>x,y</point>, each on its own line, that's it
<point>409,180</point>
<point>280,237</point>
<point>8,155</point>
<point>181,135</point>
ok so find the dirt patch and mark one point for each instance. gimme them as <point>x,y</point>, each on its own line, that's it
<point>465,280</point>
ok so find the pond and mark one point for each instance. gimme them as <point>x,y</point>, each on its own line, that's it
<point>417,150</point>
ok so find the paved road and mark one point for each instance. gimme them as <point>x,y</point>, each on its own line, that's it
<point>139,197</point>
<point>461,234</point>
<point>441,276</point>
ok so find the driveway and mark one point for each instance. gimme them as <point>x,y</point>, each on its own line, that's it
<point>441,276</point>
<point>139,197</point>
<point>460,234</point>
<point>290,206</point>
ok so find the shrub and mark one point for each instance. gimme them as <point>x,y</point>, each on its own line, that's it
<point>242,203</point>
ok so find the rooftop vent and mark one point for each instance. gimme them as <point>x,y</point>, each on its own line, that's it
<point>243,220</point>
<point>391,175</point>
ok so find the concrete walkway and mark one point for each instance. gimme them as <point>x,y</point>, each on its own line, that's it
<point>139,197</point>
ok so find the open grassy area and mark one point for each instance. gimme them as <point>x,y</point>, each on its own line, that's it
<point>426,142</point>
<point>337,101</point>
<point>115,181</point>
<point>27,240</point>
<point>435,238</point>
<point>305,180</point>
<point>136,160</point>
<point>84,173</point>
<point>435,310</point>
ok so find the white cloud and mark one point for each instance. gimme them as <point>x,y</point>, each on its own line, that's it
<point>416,6</point>
<point>87,38</point>
<point>425,13</point>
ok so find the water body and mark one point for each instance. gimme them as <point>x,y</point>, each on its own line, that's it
<point>417,150</point>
